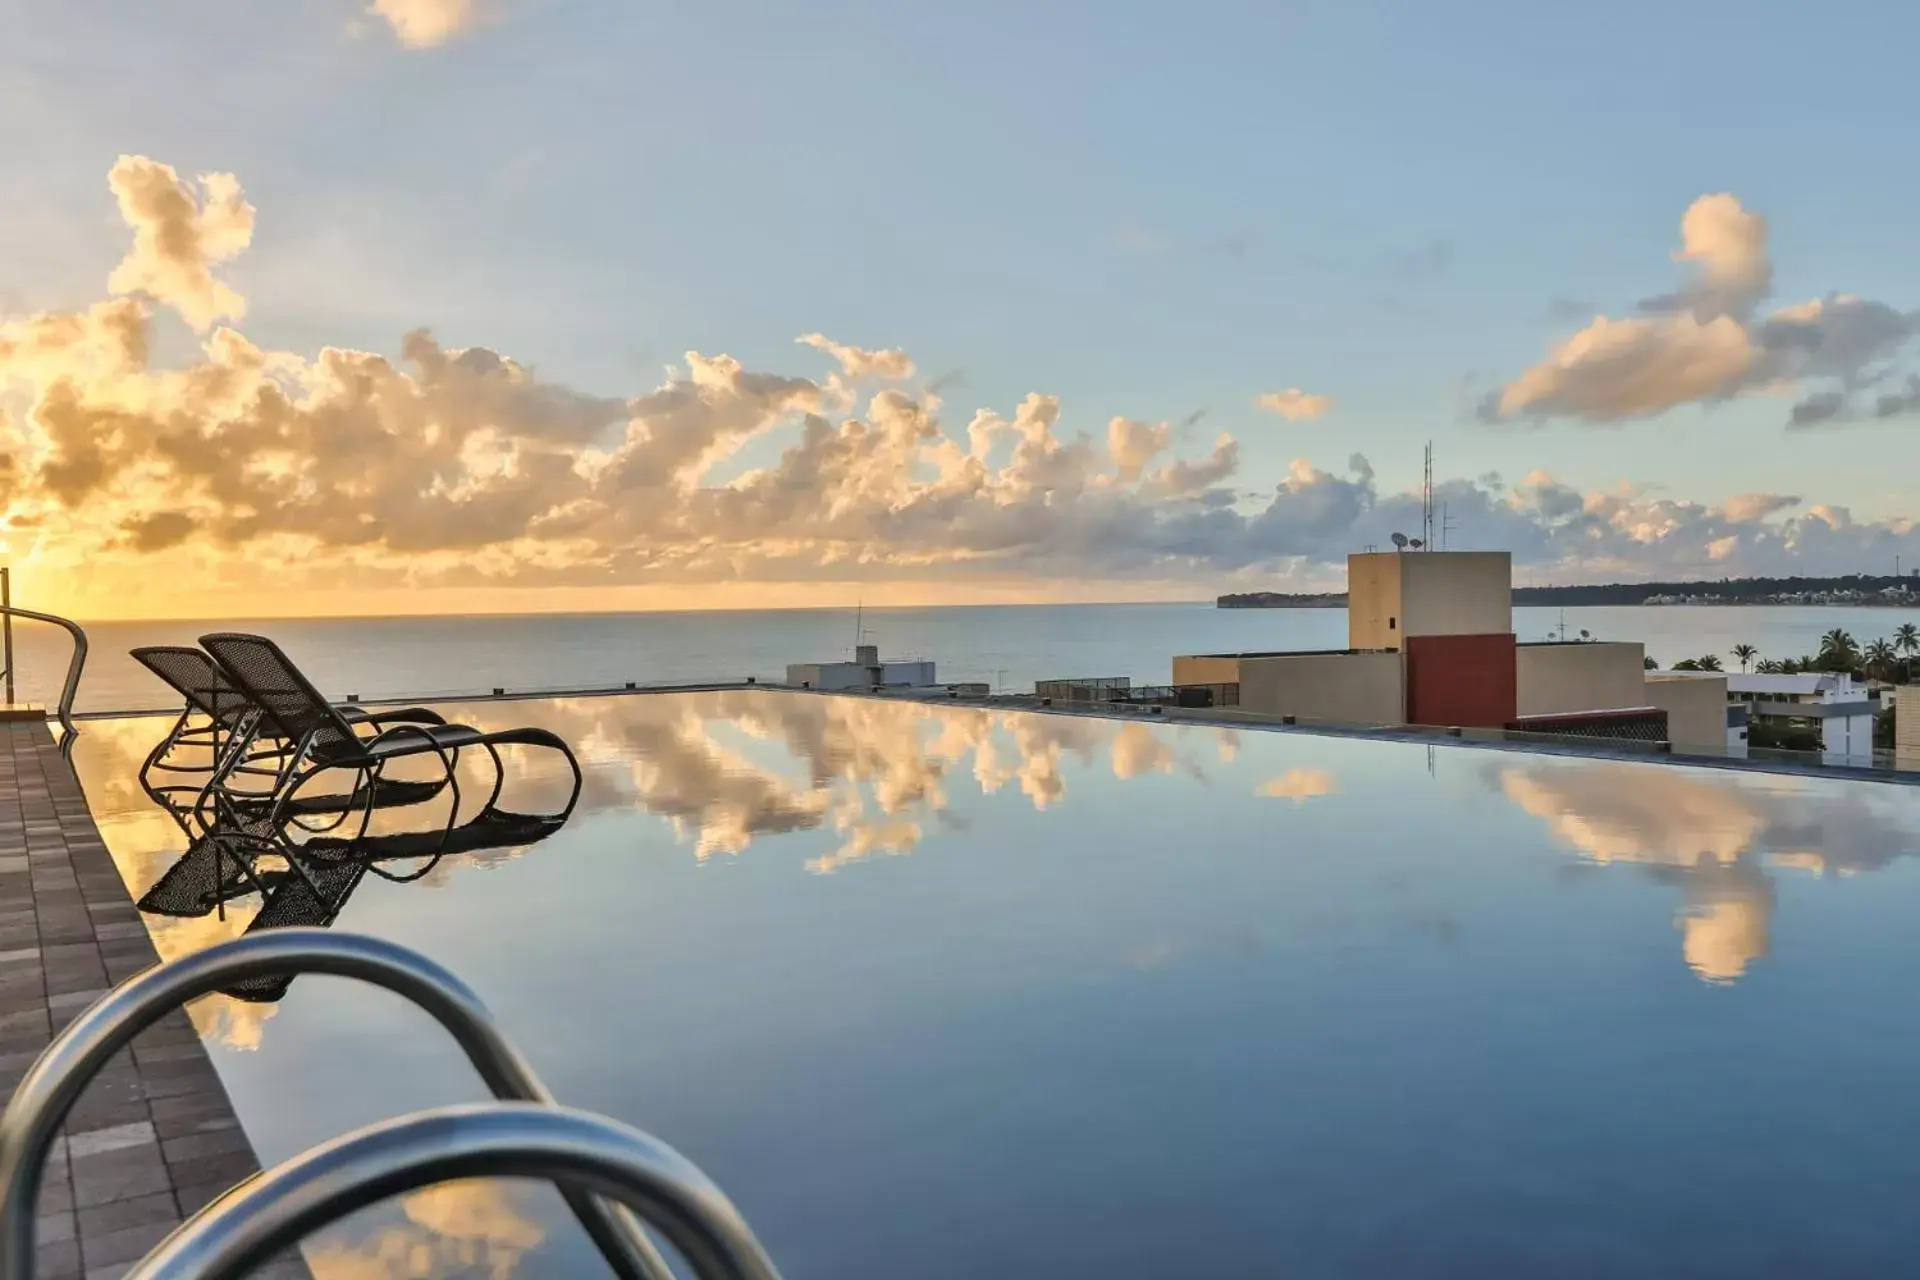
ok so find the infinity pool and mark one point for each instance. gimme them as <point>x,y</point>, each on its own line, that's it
<point>948,992</point>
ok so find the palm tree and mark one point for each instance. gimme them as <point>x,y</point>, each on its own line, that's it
<point>1906,638</point>
<point>1746,653</point>
<point>1707,662</point>
<point>1880,659</point>
<point>1767,667</point>
<point>1839,651</point>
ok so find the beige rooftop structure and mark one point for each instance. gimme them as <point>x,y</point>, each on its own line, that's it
<point>1696,707</point>
<point>1395,594</point>
<point>1430,642</point>
<point>1564,679</point>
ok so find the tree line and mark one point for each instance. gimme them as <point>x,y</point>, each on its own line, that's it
<point>1889,659</point>
<point>1724,591</point>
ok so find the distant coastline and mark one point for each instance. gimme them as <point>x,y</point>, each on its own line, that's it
<point>1854,590</point>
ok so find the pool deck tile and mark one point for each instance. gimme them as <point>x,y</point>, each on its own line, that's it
<point>153,1137</point>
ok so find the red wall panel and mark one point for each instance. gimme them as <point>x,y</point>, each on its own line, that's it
<point>1461,680</point>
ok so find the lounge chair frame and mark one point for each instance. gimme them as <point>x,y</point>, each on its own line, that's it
<point>323,739</point>
<point>221,721</point>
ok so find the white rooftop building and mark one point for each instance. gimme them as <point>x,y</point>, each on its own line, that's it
<point>1842,709</point>
<point>1833,704</point>
<point>866,671</point>
<point>1801,686</point>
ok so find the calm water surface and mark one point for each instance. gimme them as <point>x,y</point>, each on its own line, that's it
<point>1008,647</point>
<point>954,992</point>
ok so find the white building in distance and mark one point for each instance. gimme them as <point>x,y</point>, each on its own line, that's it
<point>866,671</point>
<point>1841,709</point>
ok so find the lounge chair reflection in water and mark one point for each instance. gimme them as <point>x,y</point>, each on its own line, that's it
<point>260,766</point>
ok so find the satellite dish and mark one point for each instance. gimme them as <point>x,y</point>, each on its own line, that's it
<point>1415,543</point>
<point>1400,540</point>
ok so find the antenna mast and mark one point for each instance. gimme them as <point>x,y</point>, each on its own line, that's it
<point>1426,501</point>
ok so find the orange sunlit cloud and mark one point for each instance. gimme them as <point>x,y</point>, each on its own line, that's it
<point>247,480</point>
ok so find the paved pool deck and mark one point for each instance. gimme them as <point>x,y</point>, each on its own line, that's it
<point>154,1138</point>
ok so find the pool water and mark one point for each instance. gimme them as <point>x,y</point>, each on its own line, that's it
<point>950,992</point>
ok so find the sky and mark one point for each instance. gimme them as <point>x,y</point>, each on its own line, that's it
<point>328,306</point>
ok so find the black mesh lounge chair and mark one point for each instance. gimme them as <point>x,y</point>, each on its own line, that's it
<point>324,740</point>
<point>218,718</point>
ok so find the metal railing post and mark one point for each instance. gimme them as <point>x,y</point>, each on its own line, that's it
<point>6,625</point>
<point>75,665</point>
<point>41,1102</point>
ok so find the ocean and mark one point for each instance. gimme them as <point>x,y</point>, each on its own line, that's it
<point>1006,646</point>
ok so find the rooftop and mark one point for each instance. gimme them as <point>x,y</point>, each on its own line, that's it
<point>1798,682</point>
<point>930,987</point>
<point>1771,682</point>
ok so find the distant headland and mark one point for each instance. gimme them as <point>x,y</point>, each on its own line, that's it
<point>1859,590</point>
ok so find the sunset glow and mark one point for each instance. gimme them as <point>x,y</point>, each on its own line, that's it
<point>170,450</point>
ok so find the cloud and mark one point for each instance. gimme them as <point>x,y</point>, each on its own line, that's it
<point>1746,507</point>
<point>1295,405</point>
<point>1625,368</point>
<point>874,773</point>
<point>1138,750</point>
<point>1837,336</point>
<point>160,530</point>
<point>1895,404</point>
<point>1197,479</point>
<point>858,362</point>
<point>177,237</point>
<point>437,466</point>
<point>1705,343</point>
<point>1300,785</point>
<point>1133,444</point>
<point>423,24</point>
<point>477,1228</point>
<point>1821,406</point>
<point>1715,839</point>
<point>1728,247</point>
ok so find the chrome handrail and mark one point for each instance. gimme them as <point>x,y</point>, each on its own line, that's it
<point>41,1102</point>
<point>64,712</point>
<point>498,1140</point>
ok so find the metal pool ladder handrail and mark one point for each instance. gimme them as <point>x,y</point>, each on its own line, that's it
<point>41,1102</point>
<point>502,1140</point>
<point>64,712</point>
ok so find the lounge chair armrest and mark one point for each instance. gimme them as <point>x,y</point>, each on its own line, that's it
<point>407,738</point>
<point>404,715</point>
<point>528,737</point>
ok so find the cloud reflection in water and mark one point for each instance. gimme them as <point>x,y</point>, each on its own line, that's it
<point>723,768</point>
<point>1716,836</point>
<point>728,768</point>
